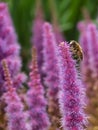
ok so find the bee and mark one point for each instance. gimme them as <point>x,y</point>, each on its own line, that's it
<point>76,50</point>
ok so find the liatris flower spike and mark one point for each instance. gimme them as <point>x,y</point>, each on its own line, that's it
<point>37,37</point>
<point>9,47</point>
<point>35,98</point>
<point>71,97</point>
<point>50,68</point>
<point>89,69</point>
<point>50,59</point>
<point>14,109</point>
<point>88,40</point>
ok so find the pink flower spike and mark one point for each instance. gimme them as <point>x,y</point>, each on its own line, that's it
<point>50,60</point>
<point>71,96</point>
<point>14,108</point>
<point>35,98</point>
<point>9,47</point>
<point>89,42</point>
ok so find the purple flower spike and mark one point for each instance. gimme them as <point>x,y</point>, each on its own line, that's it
<point>51,69</point>
<point>85,64</point>
<point>50,60</point>
<point>14,109</point>
<point>89,43</point>
<point>93,43</point>
<point>36,100</point>
<point>71,98</point>
<point>9,47</point>
<point>37,37</point>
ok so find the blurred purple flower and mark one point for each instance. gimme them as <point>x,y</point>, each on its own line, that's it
<point>71,98</point>
<point>14,109</point>
<point>50,60</point>
<point>36,100</point>
<point>85,64</point>
<point>9,47</point>
<point>37,38</point>
<point>89,42</point>
<point>50,68</point>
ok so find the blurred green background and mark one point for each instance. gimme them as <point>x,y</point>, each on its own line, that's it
<point>66,12</point>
